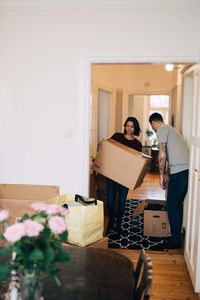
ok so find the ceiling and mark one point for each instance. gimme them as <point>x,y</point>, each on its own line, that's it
<point>121,3</point>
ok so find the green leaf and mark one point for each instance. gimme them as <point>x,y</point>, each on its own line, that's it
<point>63,236</point>
<point>1,236</point>
<point>21,268</point>
<point>43,214</point>
<point>36,254</point>
<point>17,249</point>
<point>4,271</point>
<point>49,254</point>
<point>57,280</point>
<point>45,234</point>
<point>49,258</point>
<point>56,244</point>
<point>5,224</point>
<point>25,217</point>
<point>39,219</point>
<point>63,256</point>
<point>53,273</point>
<point>5,250</point>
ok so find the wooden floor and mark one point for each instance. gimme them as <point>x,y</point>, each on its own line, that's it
<point>170,276</point>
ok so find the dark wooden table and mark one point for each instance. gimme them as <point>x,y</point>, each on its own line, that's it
<point>91,274</point>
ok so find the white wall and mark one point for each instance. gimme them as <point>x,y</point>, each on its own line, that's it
<point>43,103</point>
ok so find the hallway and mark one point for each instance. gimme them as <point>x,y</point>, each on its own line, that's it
<point>171,279</point>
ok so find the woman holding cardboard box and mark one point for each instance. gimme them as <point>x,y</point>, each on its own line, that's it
<point>131,129</point>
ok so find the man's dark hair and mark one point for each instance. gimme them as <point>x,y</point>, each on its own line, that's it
<point>155,117</point>
<point>136,125</point>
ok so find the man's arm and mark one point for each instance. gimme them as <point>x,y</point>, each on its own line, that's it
<point>162,159</point>
<point>167,175</point>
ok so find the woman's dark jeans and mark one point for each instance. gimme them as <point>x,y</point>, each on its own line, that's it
<point>112,187</point>
<point>177,189</point>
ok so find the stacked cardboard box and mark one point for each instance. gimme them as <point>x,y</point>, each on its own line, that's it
<point>156,222</point>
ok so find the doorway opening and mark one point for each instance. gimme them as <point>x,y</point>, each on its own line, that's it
<point>180,108</point>
<point>122,90</point>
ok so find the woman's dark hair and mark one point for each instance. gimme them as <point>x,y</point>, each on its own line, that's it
<point>136,125</point>
<point>155,117</point>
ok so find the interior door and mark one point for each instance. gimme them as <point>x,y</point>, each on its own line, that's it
<point>102,114</point>
<point>192,239</point>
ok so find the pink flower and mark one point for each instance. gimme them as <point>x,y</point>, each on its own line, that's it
<point>57,224</point>
<point>53,209</point>
<point>32,228</point>
<point>39,206</point>
<point>4,214</point>
<point>64,211</point>
<point>14,232</point>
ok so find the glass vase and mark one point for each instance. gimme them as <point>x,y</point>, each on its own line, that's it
<point>31,286</point>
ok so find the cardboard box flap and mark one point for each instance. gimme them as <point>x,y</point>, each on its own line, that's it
<point>142,174</point>
<point>18,197</point>
<point>154,204</point>
<point>28,191</point>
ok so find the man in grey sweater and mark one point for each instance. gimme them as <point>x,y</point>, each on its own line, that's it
<point>173,159</point>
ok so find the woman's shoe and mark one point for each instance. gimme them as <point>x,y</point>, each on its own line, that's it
<point>109,228</point>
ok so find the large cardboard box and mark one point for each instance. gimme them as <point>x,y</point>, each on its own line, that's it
<point>156,223</point>
<point>100,244</point>
<point>121,163</point>
<point>18,197</point>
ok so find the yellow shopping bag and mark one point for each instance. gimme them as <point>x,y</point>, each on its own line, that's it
<point>85,221</point>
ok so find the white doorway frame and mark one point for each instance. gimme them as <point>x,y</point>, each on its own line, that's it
<point>192,238</point>
<point>86,87</point>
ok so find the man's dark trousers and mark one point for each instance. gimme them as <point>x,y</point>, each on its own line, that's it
<point>177,189</point>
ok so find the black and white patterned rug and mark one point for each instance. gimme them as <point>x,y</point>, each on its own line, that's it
<point>132,232</point>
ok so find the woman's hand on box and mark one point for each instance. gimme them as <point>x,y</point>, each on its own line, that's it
<point>101,143</point>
